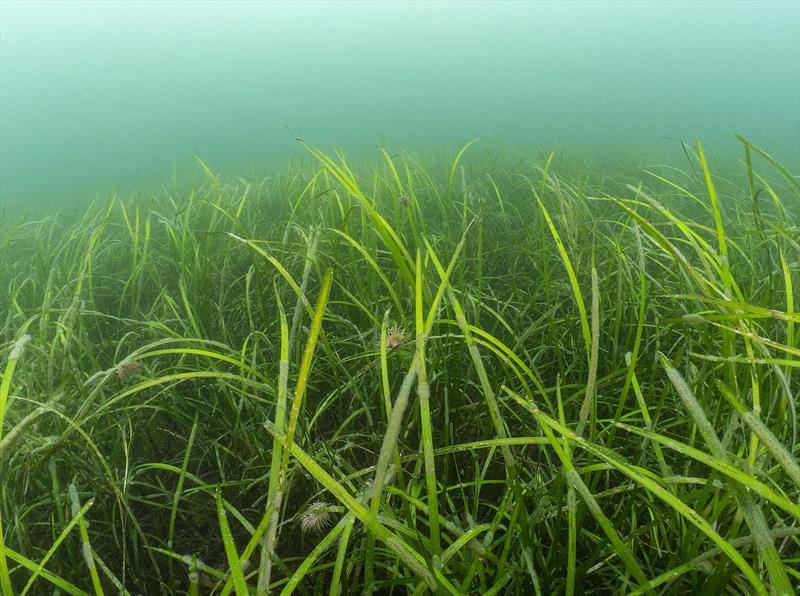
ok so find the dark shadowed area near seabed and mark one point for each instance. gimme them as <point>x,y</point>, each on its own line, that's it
<point>399,298</point>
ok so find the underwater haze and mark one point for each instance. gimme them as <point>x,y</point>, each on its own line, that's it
<point>382,298</point>
<point>104,96</point>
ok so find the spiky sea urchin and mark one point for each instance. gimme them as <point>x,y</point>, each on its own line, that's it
<point>316,517</point>
<point>395,337</point>
<point>128,370</point>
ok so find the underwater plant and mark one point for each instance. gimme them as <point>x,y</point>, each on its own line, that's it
<point>585,382</point>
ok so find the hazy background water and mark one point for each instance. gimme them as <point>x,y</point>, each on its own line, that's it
<point>100,96</point>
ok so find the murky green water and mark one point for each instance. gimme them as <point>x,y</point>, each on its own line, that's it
<point>561,360</point>
<point>96,97</point>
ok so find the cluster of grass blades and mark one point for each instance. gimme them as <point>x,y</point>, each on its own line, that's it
<point>407,378</point>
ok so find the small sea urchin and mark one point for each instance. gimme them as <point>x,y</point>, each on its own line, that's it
<point>395,337</point>
<point>128,370</point>
<point>316,518</point>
